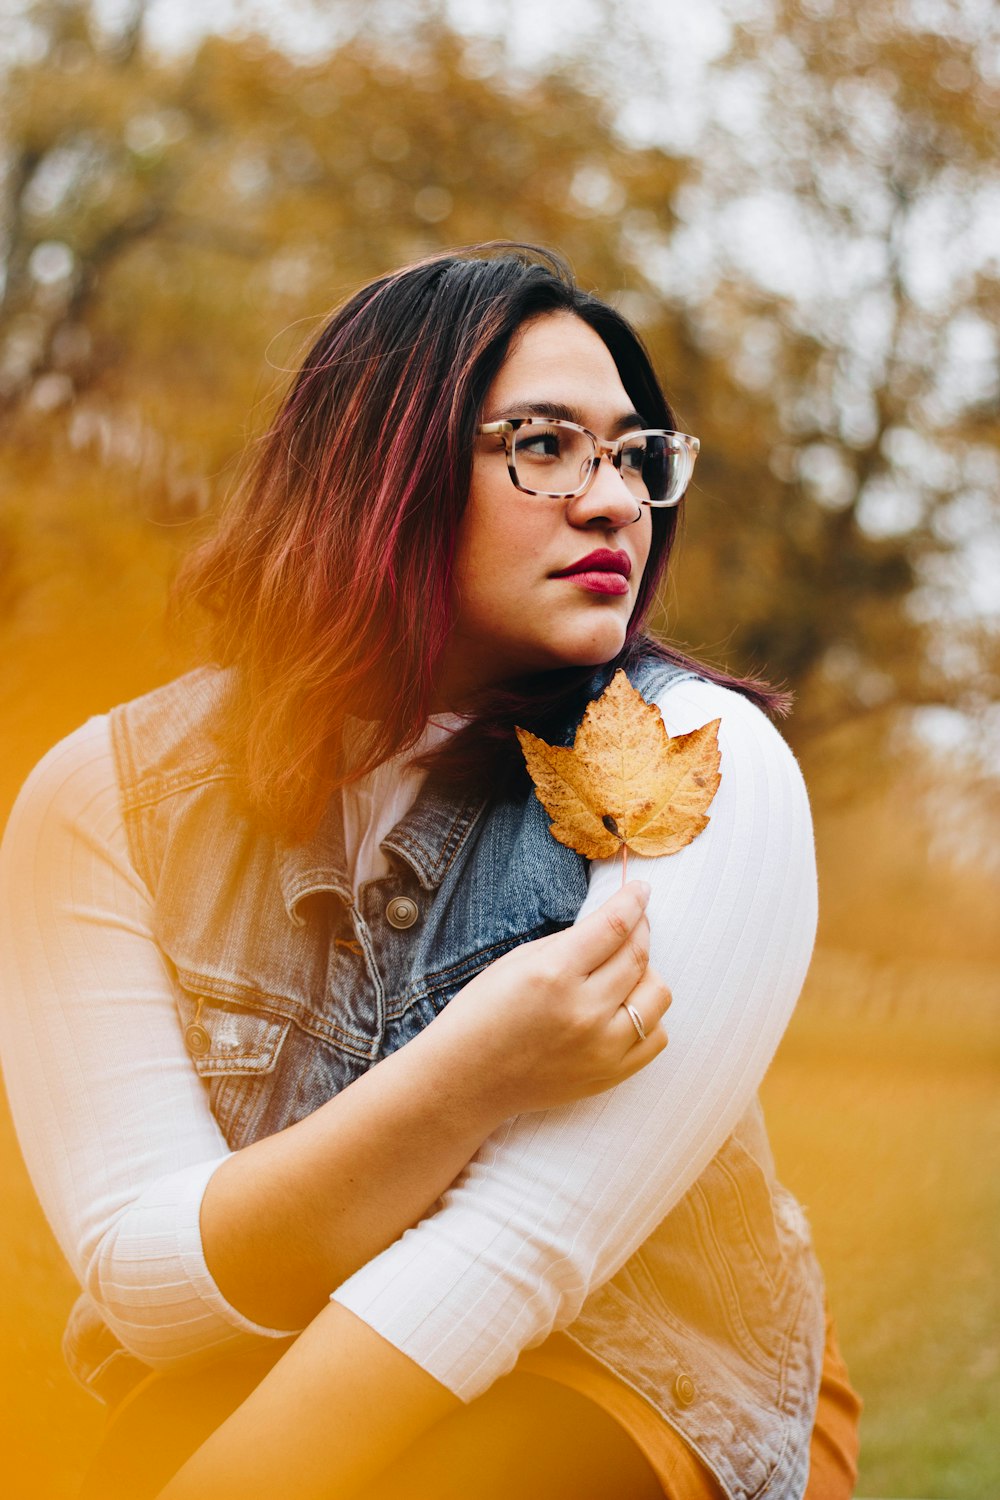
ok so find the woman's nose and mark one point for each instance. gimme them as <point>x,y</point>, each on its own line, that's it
<point>608,501</point>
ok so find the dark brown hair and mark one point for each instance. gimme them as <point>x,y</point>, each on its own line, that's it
<point>329,579</point>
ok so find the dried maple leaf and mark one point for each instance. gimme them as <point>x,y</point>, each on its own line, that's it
<point>625,784</point>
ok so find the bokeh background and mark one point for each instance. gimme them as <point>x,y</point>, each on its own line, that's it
<point>799,206</point>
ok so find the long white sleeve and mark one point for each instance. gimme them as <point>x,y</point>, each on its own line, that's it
<point>120,1140</point>
<point>554,1203</point>
<point>113,1120</point>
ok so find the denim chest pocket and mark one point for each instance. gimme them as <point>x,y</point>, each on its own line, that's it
<point>235,1051</point>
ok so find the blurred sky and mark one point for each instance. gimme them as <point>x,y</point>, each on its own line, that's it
<point>684,36</point>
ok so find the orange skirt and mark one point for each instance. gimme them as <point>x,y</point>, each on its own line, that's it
<point>160,1423</point>
<point>833,1453</point>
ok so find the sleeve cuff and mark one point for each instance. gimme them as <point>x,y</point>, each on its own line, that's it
<point>152,1281</point>
<point>191,1185</point>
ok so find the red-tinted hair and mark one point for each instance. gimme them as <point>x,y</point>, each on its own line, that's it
<point>329,579</point>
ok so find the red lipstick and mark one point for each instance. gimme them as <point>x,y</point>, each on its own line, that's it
<point>600,572</point>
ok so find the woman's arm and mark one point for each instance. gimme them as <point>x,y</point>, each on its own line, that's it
<point>112,1119</point>
<point>287,1219</point>
<point>553,1204</point>
<point>335,1411</point>
<point>116,1126</point>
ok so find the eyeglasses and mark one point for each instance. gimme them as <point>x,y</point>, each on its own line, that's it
<point>548,456</point>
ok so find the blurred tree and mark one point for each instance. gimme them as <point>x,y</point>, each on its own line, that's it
<point>166,218</point>
<point>848,181</point>
<point>174,226</point>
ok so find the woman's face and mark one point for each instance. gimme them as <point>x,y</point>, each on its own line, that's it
<point>518,610</point>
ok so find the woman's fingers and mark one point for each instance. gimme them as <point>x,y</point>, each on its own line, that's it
<point>623,970</point>
<point>606,931</point>
<point>650,1001</point>
<point>563,1031</point>
<point>640,1054</point>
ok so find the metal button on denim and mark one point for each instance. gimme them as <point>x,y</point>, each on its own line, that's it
<point>401,912</point>
<point>197,1039</point>
<point>684,1389</point>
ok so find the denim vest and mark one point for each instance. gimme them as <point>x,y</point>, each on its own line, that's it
<point>289,988</point>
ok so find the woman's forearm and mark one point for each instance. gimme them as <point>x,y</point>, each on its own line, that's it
<point>185,1246</point>
<point>288,1219</point>
<point>335,1411</point>
<point>285,1220</point>
<point>96,1063</point>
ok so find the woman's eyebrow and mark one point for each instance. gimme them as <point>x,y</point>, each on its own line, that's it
<point>558,411</point>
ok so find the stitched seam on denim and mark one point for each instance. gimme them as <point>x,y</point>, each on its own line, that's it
<point>745,1217</point>
<point>456,834</point>
<point>278,1007</point>
<point>126,776</point>
<point>663,1308</point>
<point>782,1391</point>
<point>753,1350</point>
<point>663,1305</point>
<point>659,678</point>
<point>792,1247</point>
<point>460,837</point>
<point>463,974</point>
<point>154,788</point>
<point>364,937</point>
<point>472,961</point>
<point>314,872</point>
<point>765,1359</point>
<point>412,845</point>
<point>265,1051</point>
<point>241,1067</point>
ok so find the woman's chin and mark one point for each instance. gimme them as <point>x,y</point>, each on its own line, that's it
<point>595,648</point>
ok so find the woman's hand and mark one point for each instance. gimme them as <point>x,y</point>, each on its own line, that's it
<point>285,1220</point>
<point>545,1024</point>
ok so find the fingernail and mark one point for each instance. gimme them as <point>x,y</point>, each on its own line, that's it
<point>643,890</point>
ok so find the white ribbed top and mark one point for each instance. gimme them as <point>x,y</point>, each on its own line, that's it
<point>120,1141</point>
<point>374,805</point>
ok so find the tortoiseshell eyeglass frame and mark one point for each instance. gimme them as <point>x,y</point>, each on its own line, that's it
<point>679,441</point>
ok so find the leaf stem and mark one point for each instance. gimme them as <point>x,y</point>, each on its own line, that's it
<point>624,862</point>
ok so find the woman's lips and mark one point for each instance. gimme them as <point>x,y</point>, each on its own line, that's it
<point>600,572</point>
<point>598,583</point>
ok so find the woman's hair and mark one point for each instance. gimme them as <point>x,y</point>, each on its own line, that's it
<point>329,579</point>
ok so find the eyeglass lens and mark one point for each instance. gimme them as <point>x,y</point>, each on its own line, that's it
<point>556,460</point>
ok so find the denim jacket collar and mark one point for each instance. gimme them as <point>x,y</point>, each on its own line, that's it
<point>427,839</point>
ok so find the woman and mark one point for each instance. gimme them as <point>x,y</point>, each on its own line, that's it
<point>557,1253</point>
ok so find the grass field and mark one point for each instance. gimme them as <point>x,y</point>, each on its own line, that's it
<point>885,1119</point>
<point>888,1129</point>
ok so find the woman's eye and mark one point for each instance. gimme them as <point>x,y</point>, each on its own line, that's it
<point>540,444</point>
<point>633,458</point>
